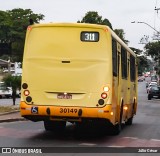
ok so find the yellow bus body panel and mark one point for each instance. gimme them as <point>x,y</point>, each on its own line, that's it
<point>49,47</point>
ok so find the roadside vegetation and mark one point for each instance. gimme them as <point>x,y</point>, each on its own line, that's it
<point>14,82</point>
<point>5,109</point>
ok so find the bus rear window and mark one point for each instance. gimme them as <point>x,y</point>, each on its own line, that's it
<point>89,36</point>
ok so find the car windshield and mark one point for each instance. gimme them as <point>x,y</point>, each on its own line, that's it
<point>155,88</point>
<point>152,85</point>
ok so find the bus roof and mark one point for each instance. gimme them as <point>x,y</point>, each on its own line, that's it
<point>87,25</point>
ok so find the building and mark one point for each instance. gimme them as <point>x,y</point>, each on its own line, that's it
<point>6,66</point>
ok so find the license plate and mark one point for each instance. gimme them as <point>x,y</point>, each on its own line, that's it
<point>64,96</point>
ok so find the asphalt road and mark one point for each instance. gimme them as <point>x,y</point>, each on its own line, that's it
<point>144,133</point>
<point>8,102</point>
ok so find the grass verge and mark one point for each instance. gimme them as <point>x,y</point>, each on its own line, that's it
<point>4,109</point>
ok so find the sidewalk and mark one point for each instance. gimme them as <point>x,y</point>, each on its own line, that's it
<point>11,117</point>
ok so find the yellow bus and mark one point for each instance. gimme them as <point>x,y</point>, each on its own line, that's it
<point>74,72</point>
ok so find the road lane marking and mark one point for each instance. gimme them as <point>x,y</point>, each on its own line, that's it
<point>155,140</point>
<point>117,146</point>
<point>87,144</point>
<point>130,137</point>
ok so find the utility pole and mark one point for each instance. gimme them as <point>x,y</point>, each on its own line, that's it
<point>156,36</point>
<point>9,66</point>
<point>145,38</point>
<point>157,9</point>
<point>147,25</point>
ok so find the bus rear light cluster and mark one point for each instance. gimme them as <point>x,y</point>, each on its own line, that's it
<point>26,92</point>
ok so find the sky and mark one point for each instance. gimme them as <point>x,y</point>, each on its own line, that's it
<point>120,13</point>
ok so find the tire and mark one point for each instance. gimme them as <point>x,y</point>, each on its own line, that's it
<point>129,121</point>
<point>118,127</point>
<point>56,126</point>
<point>149,97</point>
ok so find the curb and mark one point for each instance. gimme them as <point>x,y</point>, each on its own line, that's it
<point>8,119</point>
<point>6,113</point>
<point>13,120</point>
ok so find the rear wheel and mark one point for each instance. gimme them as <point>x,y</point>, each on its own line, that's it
<point>56,126</point>
<point>149,97</point>
<point>118,127</point>
<point>130,120</point>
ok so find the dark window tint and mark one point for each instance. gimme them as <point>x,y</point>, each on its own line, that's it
<point>124,63</point>
<point>114,57</point>
<point>132,68</point>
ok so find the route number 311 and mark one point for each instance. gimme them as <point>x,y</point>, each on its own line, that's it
<point>90,36</point>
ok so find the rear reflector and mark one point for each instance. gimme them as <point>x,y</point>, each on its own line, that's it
<point>104,95</point>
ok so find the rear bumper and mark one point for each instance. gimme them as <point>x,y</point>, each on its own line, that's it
<point>154,95</point>
<point>73,114</point>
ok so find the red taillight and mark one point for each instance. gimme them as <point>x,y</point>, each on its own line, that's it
<point>26,92</point>
<point>104,95</point>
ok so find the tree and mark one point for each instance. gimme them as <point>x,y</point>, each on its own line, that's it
<point>120,33</point>
<point>14,82</point>
<point>4,33</point>
<point>153,50</point>
<point>13,24</point>
<point>93,18</point>
<point>136,51</point>
<point>143,64</point>
<point>142,61</point>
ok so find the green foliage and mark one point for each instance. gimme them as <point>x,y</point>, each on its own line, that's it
<point>143,63</point>
<point>153,50</point>
<point>120,33</point>
<point>93,18</point>
<point>136,51</point>
<point>13,81</point>
<point>13,24</point>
